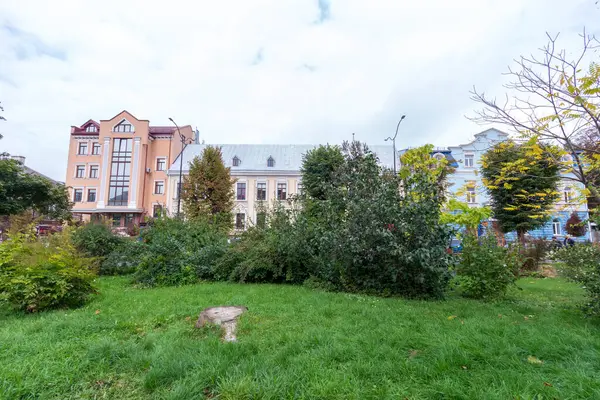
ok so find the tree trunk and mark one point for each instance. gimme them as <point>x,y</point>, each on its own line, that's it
<point>521,236</point>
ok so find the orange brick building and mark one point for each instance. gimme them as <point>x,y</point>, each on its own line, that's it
<point>117,168</point>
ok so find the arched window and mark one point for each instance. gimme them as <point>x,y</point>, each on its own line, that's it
<point>236,161</point>
<point>270,162</point>
<point>439,156</point>
<point>123,126</point>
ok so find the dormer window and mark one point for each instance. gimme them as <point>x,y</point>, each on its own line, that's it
<point>438,156</point>
<point>270,162</point>
<point>123,126</point>
<point>91,128</point>
<point>236,161</point>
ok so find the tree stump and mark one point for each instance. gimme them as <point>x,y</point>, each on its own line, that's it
<point>224,316</point>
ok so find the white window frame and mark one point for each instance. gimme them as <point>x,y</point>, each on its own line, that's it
<point>87,193</point>
<point>298,186</point>
<point>156,163</point>
<point>556,228</point>
<point>471,193</point>
<point>162,207</point>
<point>124,121</point>
<point>90,171</point>
<point>266,182</point>
<point>277,190</point>
<point>439,156</point>
<point>243,228</point>
<point>82,193</point>
<point>91,128</point>
<point>77,170</point>
<point>568,194</point>
<point>163,186</point>
<point>236,190</point>
<point>87,148</point>
<point>471,157</point>
<point>99,146</point>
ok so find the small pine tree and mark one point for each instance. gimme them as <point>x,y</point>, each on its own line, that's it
<point>575,226</point>
<point>208,189</point>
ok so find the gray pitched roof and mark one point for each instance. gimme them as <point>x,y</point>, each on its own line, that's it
<point>253,157</point>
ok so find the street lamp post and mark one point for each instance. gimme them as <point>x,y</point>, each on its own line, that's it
<point>394,141</point>
<point>184,143</point>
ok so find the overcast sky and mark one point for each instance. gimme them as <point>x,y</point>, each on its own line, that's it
<point>264,71</point>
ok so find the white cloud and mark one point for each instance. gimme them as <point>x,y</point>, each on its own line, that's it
<point>358,70</point>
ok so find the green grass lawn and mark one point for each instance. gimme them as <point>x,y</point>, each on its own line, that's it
<point>302,344</point>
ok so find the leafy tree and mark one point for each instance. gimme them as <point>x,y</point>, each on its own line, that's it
<point>575,226</point>
<point>554,97</point>
<point>21,191</point>
<point>208,189</point>
<point>461,214</point>
<point>318,168</point>
<point>521,180</point>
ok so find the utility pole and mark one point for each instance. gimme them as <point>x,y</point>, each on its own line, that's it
<point>394,141</point>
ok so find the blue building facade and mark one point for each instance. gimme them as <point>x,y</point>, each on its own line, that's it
<point>466,185</point>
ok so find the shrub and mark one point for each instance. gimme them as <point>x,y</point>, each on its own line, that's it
<point>533,254</point>
<point>96,240</point>
<point>178,252</point>
<point>575,226</point>
<point>486,270</point>
<point>124,259</point>
<point>36,275</point>
<point>581,263</point>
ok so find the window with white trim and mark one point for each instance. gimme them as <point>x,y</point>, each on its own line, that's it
<point>261,191</point>
<point>94,171</point>
<point>157,211</point>
<point>77,195</point>
<point>95,149</point>
<point>556,227</point>
<point>281,191</point>
<point>240,221</point>
<point>161,163</point>
<point>91,128</point>
<point>80,171</point>
<point>82,149</point>
<point>469,160</point>
<point>299,188</point>
<point>123,126</point>
<point>91,195</point>
<point>568,194</point>
<point>439,156</point>
<point>241,191</point>
<point>471,194</point>
<point>159,187</point>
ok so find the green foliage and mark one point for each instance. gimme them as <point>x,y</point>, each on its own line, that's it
<point>533,254</point>
<point>575,226</point>
<point>177,252</point>
<point>581,263</point>
<point>319,167</point>
<point>36,276</point>
<point>521,180</point>
<point>208,190</point>
<point>96,240</point>
<point>20,191</point>
<point>486,270</point>
<point>123,259</point>
<point>461,214</point>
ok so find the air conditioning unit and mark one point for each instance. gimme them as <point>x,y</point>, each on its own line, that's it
<point>148,170</point>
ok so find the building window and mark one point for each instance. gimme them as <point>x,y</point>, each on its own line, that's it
<point>159,187</point>
<point>469,160</point>
<point>124,126</point>
<point>93,171</point>
<point>241,191</point>
<point>471,195</point>
<point>80,171</point>
<point>128,219</point>
<point>556,227</point>
<point>116,220</point>
<point>82,149</point>
<point>178,191</point>
<point>161,164</point>
<point>439,156</point>
<point>95,149</point>
<point>91,197</point>
<point>120,172</point>
<point>78,195</point>
<point>261,191</point>
<point>270,162</point>
<point>240,221</point>
<point>236,161</point>
<point>157,211</point>
<point>299,188</point>
<point>281,191</point>
<point>568,194</point>
<point>91,128</point>
<point>261,219</point>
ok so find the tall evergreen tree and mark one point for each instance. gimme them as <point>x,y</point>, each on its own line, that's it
<point>522,181</point>
<point>208,189</point>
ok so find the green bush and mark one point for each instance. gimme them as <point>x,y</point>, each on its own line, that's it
<point>96,240</point>
<point>36,275</point>
<point>124,259</point>
<point>581,263</point>
<point>533,255</point>
<point>178,252</point>
<point>485,269</point>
